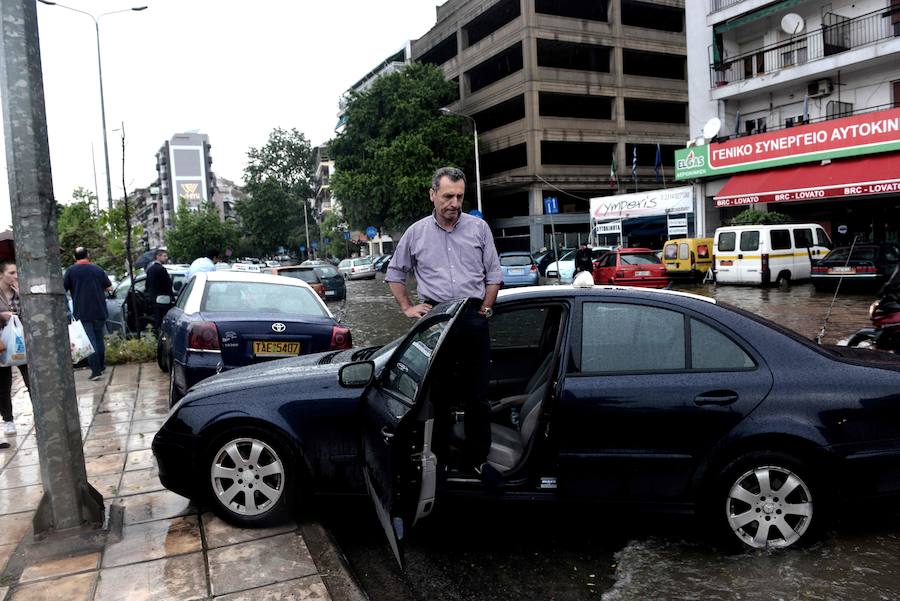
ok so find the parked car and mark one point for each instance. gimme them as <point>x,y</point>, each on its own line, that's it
<point>631,267</point>
<point>120,318</point>
<point>307,274</point>
<point>767,254</point>
<point>868,266</point>
<point>688,258</point>
<point>565,267</point>
<point>357,269</point>
<point>335,287</point>
<point>228,319</point>
<point>518,269</point>
<point>633,396</point>
<point>544,258</point>
<point>553,269</point>
<point>314,263</point>
<point>383,266</point>
<point>380,264</point>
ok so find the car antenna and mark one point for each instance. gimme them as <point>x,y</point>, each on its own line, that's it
<point>837,289</point>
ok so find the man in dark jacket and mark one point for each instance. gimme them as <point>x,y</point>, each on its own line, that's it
<point>159,283</point>
<point>86,283</point>
<point>583,260</point>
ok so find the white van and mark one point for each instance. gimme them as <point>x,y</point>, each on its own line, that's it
<point>766,254</point>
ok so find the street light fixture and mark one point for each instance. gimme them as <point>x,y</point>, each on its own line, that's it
<point>96,20</point>
<point>447,111</point>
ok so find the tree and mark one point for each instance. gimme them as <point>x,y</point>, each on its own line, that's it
<point>279,178</point>
<point>394,139</point>
<point>82,194</point>
<point>333,227</point>
<point>78,226</point>
<point>754,217</point>
<point>195,232</point>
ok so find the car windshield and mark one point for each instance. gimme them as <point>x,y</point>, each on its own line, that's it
<point>859,254</point>
<point>307,275</point>
<point>326,271</point>
<point>261,297</point>
<point>515,260</point>
<point>365,261</point>
<point>344,263</point>
<point>569,256</point>
<point>638,259</point>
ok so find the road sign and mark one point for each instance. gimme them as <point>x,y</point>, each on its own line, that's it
<point>678,231</point>
<point>346,235</point>
<point>371,231</point>
<point>678,222</point>
<point>314,244</point>
<point>551,205</point>
<point>303,248</point>
<point>613,227</point>
<point>476,213</point>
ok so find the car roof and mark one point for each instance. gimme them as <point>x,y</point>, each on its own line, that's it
<point>571,291</point>
<point>249,276</point>
<point>515,253</point>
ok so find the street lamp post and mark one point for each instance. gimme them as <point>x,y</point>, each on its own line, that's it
<point>96,20</point>
<point>447,111</point>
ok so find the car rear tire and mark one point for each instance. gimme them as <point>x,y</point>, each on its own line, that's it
<point>174,394</point>
<point>767,500</point>
<point>160,356</point>
<point>250,478</point>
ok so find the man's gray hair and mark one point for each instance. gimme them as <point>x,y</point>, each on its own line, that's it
<point>452,173</point>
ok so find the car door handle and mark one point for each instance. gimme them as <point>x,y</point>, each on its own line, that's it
<point>716,397</point>
<point>386,435</point>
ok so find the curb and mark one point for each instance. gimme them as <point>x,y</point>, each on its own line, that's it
<point>331,564</point>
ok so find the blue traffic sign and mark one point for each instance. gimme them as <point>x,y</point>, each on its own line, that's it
<point>371,231</point>
<point>327,240</point>
<point>551,205</point>
<point>314,244</point>
<point>303,248</point>
<point>476,213</point>
<point>346,235</point>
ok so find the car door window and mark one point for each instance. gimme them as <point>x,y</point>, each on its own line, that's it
<point>670,251</point>
<point>684,251</point>
<point>406,372</point>
<point>122,290</point>
<point>750,240</point>
<point>822,238</point>
<point>781,239</point>
<point>712,350</point>
<point>608,260</point>
<point>521,328</point>
<point>803,238</point>
<point>619,337</point>
<point>726,241</point>
<point>185,294</point>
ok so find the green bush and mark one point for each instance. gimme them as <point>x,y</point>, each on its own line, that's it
<point>754,217</point>
<point>130,350</point>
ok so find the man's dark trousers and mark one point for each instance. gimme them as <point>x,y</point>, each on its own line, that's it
<point>472,345</point>
<point>95,331</point>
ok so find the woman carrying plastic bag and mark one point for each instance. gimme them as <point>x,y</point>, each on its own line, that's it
<point>10,310</point>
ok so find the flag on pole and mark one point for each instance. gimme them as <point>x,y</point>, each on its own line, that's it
<point>613,178</point>
<point>806,108</point>
<point>658,163</point>
<point>634,166</point>
<point>737,124</point>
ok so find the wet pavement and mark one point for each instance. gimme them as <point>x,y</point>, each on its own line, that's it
<point>470,551</point>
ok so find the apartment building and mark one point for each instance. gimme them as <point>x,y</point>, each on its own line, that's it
<point>558,90</point>
<point>808,97</point>
<point>225,196</point>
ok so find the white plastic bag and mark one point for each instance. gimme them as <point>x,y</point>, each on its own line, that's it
<point>13,337</point>
<point>79,343</point>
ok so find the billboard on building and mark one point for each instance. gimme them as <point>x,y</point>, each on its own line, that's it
<point>643,204</point>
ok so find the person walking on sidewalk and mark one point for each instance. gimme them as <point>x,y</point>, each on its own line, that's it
<point>207,263</point>
<point>583,259</point>
<point>87,284</point>
<point>159,283</point>
<point>452,255</point>
<point>10,304</point>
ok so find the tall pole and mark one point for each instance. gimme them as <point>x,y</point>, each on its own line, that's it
<point>477,167</point>
<point>103,118</point>
<point>68,499</point>
<point>126,214</point>
<point>306,225</point>
<point>96,191</point>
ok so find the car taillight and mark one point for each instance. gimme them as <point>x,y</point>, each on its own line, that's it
<point>702,251</point>
<point>533,267</point>
<point>340,338</point>
<point>819,269</point>
<point>866,269</point>
<point>765,262</point>
<point>353,270</point>
<point>320,288</point>
<point>203,336</point>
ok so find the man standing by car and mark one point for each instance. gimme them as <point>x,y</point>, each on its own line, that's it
<point>86,283</point>
<point>452,255</point>
<point>159,283</point>
<point>206,263</point>
<point>583,259</point>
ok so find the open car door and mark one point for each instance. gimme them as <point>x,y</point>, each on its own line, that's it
<point>400,468</point>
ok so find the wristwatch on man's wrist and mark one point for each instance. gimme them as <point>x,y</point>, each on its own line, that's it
<point>486,311</point>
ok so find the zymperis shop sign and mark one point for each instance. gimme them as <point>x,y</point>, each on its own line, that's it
<point>868,133</point>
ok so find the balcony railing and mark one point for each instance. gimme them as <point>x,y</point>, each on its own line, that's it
<point>794,122</point>
<point>717,5</point>
<point>838,34</point>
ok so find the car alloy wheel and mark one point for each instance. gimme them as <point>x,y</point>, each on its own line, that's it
<point>248,477</point>
<point>769,506</point>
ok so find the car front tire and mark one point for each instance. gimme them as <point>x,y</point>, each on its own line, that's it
<point>174,394</point>
<point>250,478</point>
<point>160,356</point>
<point>767,500</point>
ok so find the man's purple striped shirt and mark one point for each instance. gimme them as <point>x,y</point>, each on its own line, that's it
<point>447,264</point>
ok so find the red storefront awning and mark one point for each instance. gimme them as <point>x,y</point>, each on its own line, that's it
<point>875,174</point>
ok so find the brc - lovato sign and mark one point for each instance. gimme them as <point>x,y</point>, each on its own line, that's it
<point>868,133</point>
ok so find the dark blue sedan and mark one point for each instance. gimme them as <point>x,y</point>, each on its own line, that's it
<point>609,394</point>
<point>228,319</point>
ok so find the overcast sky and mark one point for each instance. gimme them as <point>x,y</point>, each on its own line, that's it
<point>232,69</point>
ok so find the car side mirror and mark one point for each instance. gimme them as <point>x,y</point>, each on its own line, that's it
<point>356,375</point>
<point>163,299</point>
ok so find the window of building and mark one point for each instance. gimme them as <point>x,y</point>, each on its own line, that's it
<point>655,111</point>
<point>895,92</point>
<point>595,10</point>
<point>505,159</point>
<point>441,52</point>
<point>500,114</point>
<point>653,64</point>
<point>652,16</point>
<point>576,153</point>
<point>558,54</point>
<point>490,21</point>
<point>504,63</point>
<point>781,239</point>
<point>836,110</point>
<point>575,106</point>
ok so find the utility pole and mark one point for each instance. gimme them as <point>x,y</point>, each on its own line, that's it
<point>126,212</point>
<point>69,501</point>
<point>306,225</point>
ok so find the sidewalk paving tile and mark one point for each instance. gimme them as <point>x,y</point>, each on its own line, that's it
<point>14,526</point>
<point>17,500</point>
<point>3,591</point>
<point>158,505</point>
<point>154,540</point>
<point>310,588</point>
<point>259,563</point>
<point>14,477</point>
<point>108,486</point>
<point>61,567</point>
<point>104,446</point>
<point>181,578</point>
<point>70,588</point>
<point>140,460</point>
<point>146,426</point>
<point>6,551</point>
<point>113,417</point>
<point>140,481</point>
<point>22,457</point>
<point>102,465</point>
<point>109,430</point>
<point>220,533</point>
<point>140,441</point>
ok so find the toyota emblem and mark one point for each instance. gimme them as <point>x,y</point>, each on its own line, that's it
<point>278,327</point>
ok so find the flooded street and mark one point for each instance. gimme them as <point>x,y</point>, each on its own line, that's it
<point>472,552</point>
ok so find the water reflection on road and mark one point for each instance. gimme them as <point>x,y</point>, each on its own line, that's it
<point>857,561</point>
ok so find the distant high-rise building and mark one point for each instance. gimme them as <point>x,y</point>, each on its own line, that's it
<point>227,194</point>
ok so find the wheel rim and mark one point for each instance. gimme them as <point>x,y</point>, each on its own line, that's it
<point>769,506</point>
<point>247,476</point>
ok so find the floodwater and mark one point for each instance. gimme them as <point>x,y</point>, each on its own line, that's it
<point>529,552</point>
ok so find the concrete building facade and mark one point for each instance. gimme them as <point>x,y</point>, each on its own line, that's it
<point>769,69</point>
<point>558,89</point>
<point>225,196</point>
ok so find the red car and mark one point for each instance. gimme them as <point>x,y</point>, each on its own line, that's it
<point>631,267</point>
